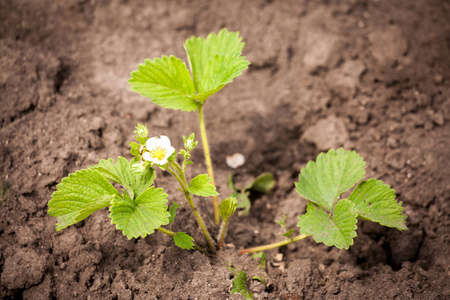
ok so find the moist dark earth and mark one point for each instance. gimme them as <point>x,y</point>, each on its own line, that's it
<point>371,76</point>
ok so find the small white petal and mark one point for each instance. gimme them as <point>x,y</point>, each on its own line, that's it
<point>151,142</point>
<point>170,151</point>
<point>147,156</point>
<point>164,141</point>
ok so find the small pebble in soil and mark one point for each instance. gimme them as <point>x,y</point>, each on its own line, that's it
<point>235,160</point>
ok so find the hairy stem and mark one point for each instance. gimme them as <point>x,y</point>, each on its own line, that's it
<point>171,234</point>
<point>222,233</point>
<point>175,169</point>
<point>274,245</point>
<point>208,162</point>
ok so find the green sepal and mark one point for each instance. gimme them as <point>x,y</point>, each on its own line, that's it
<point>201,186</point>
<point>123,173</point>
<point>375,201</point>
<point>262,184</point>
<point>337,230</point>
<point>141,131</point>
<point>167,82</point>
<point>140,217</point>
<point>332,174</point>
<point>79,195</point>
<point>183,240</point>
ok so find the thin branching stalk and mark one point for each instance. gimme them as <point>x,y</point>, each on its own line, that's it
<point>208,162</point>
<point>171,234</point>
<point>274,245</point>
<point>175,169</point>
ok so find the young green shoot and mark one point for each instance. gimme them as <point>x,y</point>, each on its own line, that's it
<point>262,184</point>
<point>331,219</point>
<point>226,209</point>
<point>240,283</point>
<point>214,62</point>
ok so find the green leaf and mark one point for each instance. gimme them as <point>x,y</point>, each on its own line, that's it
<point>201,186</point>
<point>142,216</point>
<point>262,184</point>
<point>215,61</point>
<point>282,222</point>
<point>183,241</point>
<point>240,284</point>
<point>99,203</point>
<point>121,172</point>
<point>243,202</point>
<point>167,82</point>
<point>289,233</point>
<point>173,212</point>
<point>323,181</point>
<point>375,201</point>
<point>231,184</point>
<point>260,279</point>
<point>262,259</point>
<point>336,230</point>
<point>227,208</point>
<point>79,195</point>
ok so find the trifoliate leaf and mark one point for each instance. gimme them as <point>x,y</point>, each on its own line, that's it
<point>375,201</point>
<point>79,195</point>
<point>141,216</point>
<point>122,173</point>
<point>201,186</point>
<point>167,82</point>
<point>336,230</point>
<point>323,181</point>
<point>240,284</point>
<point>215,61</point>
<point>262,259</point>
<point>227,208</point>
<point>183,241</point>
<point>173,212</point>
<point>262,184</point>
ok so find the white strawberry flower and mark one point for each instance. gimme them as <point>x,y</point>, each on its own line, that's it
<point>158,150</point>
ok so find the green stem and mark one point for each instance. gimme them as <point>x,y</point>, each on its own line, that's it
<point>208,162</point>
<point>274,245</point>
<point>171,234</point>
<point>222,233</point>
<point>181,178</point>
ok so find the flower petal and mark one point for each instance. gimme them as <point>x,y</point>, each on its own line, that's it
<point>147,156</point>
<point>164,141</point>
<point>151,142</point>
<point>170,151</point>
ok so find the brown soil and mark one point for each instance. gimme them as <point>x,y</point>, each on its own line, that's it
<point>367,75</point>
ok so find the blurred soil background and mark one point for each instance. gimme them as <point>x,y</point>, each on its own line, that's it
<point>372,76</point>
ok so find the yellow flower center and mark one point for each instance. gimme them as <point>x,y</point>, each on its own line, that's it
<point>158,153</point>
